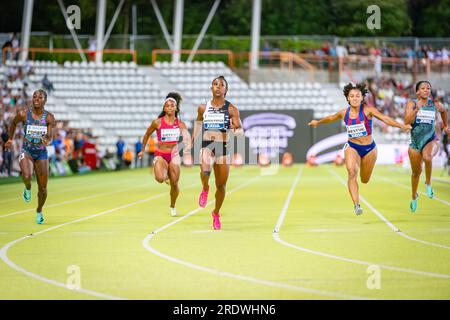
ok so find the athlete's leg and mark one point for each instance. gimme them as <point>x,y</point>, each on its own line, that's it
<point>26,166</point>
<point>206,161</point>
<point>367,165</point>
<point>221,172</point>
<point>41,169</point>
<point>352,162</point>
<point>430,150</point>
<point>160,168</point>
<point>174,176</point>
<point>415,158</point>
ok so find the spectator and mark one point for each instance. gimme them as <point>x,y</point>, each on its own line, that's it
<point>6,165</point>
<point>151,150</point>
<point>120,145</point>
<point>92,46</point>
<point>47,84</point>
<point>128,158</point>
<point>15,47</point>
<point>89,151</point>
<point>7,48</point>
<point>266,53</point>
<point>137,149</point>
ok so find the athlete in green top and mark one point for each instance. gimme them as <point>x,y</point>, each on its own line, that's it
<point>421,114</point>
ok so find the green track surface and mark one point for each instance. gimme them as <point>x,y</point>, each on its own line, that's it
<point>101,224</point>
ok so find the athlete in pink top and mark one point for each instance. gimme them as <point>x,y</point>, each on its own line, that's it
<point>168,129</point>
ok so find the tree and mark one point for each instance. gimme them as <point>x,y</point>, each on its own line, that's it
<point>351,18</point>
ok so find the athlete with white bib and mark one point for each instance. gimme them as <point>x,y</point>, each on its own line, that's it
<point>360,151</point>
<point>215,120</point>
<point>38,126</point>
<point>169,129</point>
<point>421,114</point>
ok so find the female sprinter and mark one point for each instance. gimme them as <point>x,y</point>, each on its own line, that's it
<point>216,117</point>
<point>38,134</point>
<point>421,114</point>
<point>169,129</point>
<point>360,151</point>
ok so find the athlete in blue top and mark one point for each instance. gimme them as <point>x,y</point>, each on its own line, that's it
<point>421,114</point>
<point>360,151</point>
<point>38,127</point>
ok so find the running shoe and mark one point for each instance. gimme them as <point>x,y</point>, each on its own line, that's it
<point>413,204</point>
<point>216,221</point>
<point>203,199</point>
<point>173,212</point>
<point>358,209</point>
<point>430,191</point>
<point>26,195</point>
<point>39,217</point>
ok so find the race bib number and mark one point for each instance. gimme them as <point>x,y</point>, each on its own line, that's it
<point>425,116</point>
<point>214,121</point>
<point>356,130</point>
<point>170,135</point>
<point>36,131</point>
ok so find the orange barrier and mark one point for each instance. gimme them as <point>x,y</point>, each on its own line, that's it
<point>33,52</point>
<point>228,53</point>
<point>285,58</point>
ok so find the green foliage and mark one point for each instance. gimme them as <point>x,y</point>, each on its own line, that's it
<point>351,18</point>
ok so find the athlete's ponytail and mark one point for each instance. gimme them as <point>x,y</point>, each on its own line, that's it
<point>176,98</point>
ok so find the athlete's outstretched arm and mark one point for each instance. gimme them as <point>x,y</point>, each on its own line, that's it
<point>153,127</point>
<point>331,118</point>
<point>444,117</point>
<point>20,116</point>
<point>198,122</point>
<point>410,112</point>
<point>388,120</point>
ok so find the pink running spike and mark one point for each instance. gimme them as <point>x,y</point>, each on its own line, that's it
<point>216,221</point>
<point>203,199</point>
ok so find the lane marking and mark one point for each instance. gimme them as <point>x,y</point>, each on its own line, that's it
<point>277,238</point>
<point>391,225</point>
<point>9,262</point>
<point>409,188</point>
<point>147,246</point>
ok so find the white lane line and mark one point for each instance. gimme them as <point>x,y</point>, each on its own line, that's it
<point>409,188</point>
<point>78,199</point>
<point>73,201</point>
<point>147,246</point>
<point>66,190</point>
<point>286,203</point>
<point>5,258</point>
<point>277,238</point>
<point>391,225</point>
